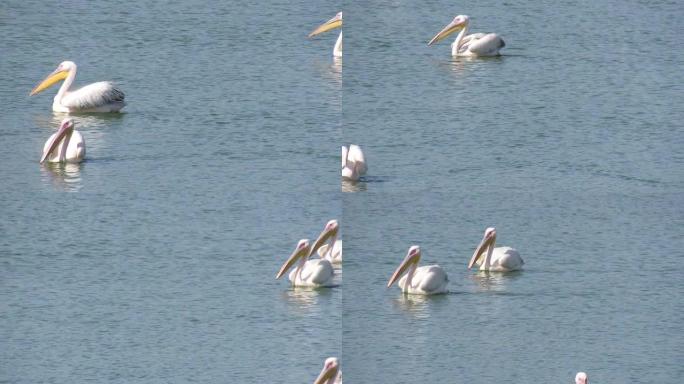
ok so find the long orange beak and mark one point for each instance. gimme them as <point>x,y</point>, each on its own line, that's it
<point>65,129</point>
<point>413,257</point>
<point>335,22</point>
<point>50,80</point>
<point>481,248</point>
<point>446,31</point>
<point>299,252</point>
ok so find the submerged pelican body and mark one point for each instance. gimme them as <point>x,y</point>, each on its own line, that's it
<point>335,22</point>
<point>499,259</point>
<point>65,146</point>
<point>96,97</point>
<point>476,44</point>
<point>353,163</point>
<point>331,372</point>
<point>425,280</point>
<point>328,244</point>
<point>581,378</point>
<point>308,273</point>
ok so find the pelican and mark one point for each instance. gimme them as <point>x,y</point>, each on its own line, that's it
<point>425,280</point>
<point>96,97</point>
<point>353,163</point>
<point>581,378</point>
<point>308,273</point>
<point>476,44</point>
<point>499,259</point>
<point>331,372</point>
<point>335,22</point>
<point>65,146</point>
<point>328,245</point>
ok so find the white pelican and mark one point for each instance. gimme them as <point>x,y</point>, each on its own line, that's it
<point>353,163</point>
<point>476,44</point>
<point>65,146</point>
<point>581,378</point>
<point>328,245</point>
<point>425,280</point>
<point>96,97</point>
<point>308,273</point>
<point>335,22</point>
<point>499,259</point>
<point>331,372</point>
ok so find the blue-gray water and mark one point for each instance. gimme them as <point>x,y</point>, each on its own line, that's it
<point>570,144</point>
<point>160,267</point>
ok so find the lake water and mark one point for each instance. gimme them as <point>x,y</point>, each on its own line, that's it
<point>154,260</point>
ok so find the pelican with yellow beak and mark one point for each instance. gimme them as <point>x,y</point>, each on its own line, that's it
<point>499,259</point>
<point>476,44</point>
<point>96,97</point>
<point>308,273</point>
<point>331,372</point>
<point>425,280</point>
<point>65,146</point>
<point>328,245</point>
<point>335,22</point>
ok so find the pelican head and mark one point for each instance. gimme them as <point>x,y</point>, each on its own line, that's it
<point>301,252</point>
<point>331,368</point>
<point>581,378</point>
<point>329,232</point>
<point>56,76</point>
<point>335,22</point>
<point>412,258</point>
<point>65,129</point>
<point>488,240</point>
<point>460,22</point>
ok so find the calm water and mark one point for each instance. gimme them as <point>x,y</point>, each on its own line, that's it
<point>570,144</point>
<point>161,268</point>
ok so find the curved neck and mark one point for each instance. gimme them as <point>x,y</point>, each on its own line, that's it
<point>457,42</point>
<point>299,270</point>
<point>67,83</point>
<point>488,257</point>
<point>337,50</point>
<point>409,277</point>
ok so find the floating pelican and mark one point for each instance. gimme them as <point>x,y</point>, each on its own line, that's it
<point>309,273</point>
<point>499,259</point>
<point>65,146</point>
<point>328,245</point>
<point>335,22</point>
<point>581,378</point>
<point>425,280</point>
<point>476,44</point>
<point>353,163</point>
<point>331,372</point>
<point>96,97</point>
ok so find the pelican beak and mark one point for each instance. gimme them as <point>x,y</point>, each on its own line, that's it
<point>329,372</point>
<point>324,237</point>
<point>335,22</point>
<point>66,128</point>
<point>413,257</point>
<point>302,251</point>
<point>50,80</point>
<point>481,248</point>
<point>448,30</point>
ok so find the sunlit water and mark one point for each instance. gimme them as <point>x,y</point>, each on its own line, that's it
<point>570,144</point>
<point>160,267</point>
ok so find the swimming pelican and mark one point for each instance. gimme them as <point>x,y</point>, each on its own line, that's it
<point>309,273</point>
<point>353,163</point>
<point>328,245</point>
<point>65,146</point>
<point>499,259</point>
<point>425,280</point>
<point>581,378</point>
<point>476,44</point>
<point>331,372</point>
<point>335,22</point>
<point>96,97</point>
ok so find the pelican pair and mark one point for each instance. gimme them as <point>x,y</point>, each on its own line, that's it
<point>102,96</point>
<point>432,279</point>
<point>353,163</point>
<point>331,372</point>
<point>334,23</point>
<point>312,272</point>
<point>474,45</point>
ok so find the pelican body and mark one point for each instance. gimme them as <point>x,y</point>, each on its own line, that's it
<point>331,372</point>
<point>328,245</point>
<point>96,97</point>
<point>476,44</point>
<point>308,273</point>
<point>499,259</point>
<point>353,163</point>
<point>335,22</point>
<point>425,280</point>
<point>65,146</point>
